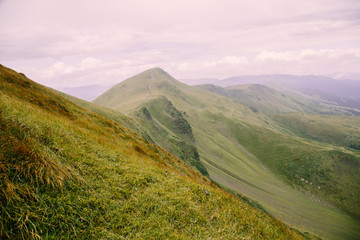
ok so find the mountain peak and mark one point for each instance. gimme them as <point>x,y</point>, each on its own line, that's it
<point>156,69</point>
<point>160,73</point>
<point>138,89</point>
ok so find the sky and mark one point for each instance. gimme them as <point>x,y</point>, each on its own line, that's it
<point>72,43</point>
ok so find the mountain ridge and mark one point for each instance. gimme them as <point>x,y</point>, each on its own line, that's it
<point>234,140</point>
<point>271,101</point>
<point>344,88</point>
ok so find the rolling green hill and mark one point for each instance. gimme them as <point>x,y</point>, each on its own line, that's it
<point>344,88</point>
<point>271,102</point>
<point>332,99</point>
<point>251,153</point>
<point>69,173</point>
<point>336,130</point>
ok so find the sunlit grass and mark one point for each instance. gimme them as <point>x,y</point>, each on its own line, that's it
<point>67,173</point>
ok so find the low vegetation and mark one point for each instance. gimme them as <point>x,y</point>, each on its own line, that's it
<point>68,173</point>
<point>252,153</point>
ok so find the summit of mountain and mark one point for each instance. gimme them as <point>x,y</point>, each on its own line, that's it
<point>137,89</point>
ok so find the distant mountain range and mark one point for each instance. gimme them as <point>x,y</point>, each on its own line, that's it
<point>87,93</point>
<point>344,88</point>
<point>270,101</point>
<point>320,90</point>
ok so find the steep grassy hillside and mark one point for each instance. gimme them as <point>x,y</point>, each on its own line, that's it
<point>68,173</point>
<point>147,126</point>
<point>251,153</point>
<point>173,131</point>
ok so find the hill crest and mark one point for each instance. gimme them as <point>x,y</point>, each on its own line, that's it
<point>137,89</point>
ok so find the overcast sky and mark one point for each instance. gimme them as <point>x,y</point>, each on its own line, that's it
<point>83,42</point>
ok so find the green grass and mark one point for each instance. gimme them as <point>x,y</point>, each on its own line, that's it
<point>253,154</point>
<point>269,101</point>
<point>161,131</point>
<point>337,130</point>
<point>238,152</point>
<point>68,173</point>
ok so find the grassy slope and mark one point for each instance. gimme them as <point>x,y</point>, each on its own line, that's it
<point>298,155</point>
<point>233,159</point>
<point>239,155</point>
<point>332,99</point>
<point>270,101</point>
<point>338,130</point>
<point>68,173</point>
<point>174,131</point>
<point>151,130</point>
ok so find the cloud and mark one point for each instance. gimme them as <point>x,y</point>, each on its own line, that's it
<point>228,60</point>
<point>91,70</point>
<point>308,61</point>
<point>301,62</point>
<point>84,42</point>
<point>299,56</point>
<point>87,71</point>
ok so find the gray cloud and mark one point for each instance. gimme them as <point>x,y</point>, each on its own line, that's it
<point>54,40</point>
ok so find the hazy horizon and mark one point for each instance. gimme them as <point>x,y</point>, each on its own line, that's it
<point>79,43</point>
